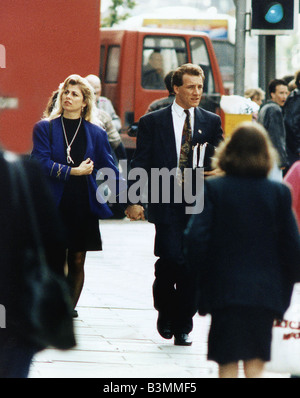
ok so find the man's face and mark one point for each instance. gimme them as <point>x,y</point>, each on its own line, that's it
<point>280,95</point>
<point>156,61</point>
<point>189,94</point>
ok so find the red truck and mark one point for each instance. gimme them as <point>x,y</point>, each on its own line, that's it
<point>42,42</point>
<point>124,55</point>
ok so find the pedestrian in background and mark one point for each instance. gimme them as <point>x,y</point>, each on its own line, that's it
<point>107,123</point>
<point>271,117</point>
<point>104,103</point>
<point>153,72</point>
<point>163,102</point>
<point>292,178</point>
<point>71,149</point>
<point>245,246</point>
<point>292,122</point>
<point>255,94</point>
<point>16,237</point>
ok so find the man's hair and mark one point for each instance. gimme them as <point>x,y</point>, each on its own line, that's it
<point>186,69</point>
<point>168,81</point>
<point>274,83</point>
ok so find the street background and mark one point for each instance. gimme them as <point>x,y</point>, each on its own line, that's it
<point>116,327</point>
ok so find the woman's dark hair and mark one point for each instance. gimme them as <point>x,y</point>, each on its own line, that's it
<point>247,153</point>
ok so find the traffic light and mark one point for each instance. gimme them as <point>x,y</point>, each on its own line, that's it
<point>274,17</point>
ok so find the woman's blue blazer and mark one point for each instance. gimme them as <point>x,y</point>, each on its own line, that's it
<point>49,150</point>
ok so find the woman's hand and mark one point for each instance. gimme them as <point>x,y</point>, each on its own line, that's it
<point>85,168</point>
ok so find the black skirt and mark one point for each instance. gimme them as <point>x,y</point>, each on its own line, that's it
<point>240,334</point>
<point>81,225</point>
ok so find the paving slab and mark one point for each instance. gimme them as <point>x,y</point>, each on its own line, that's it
<point>116,328</point>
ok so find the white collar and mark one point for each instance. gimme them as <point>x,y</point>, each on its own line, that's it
<point>180,111</point>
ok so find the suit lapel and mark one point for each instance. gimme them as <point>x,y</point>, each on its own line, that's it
<point>168,137</point>
<point>199,125</point>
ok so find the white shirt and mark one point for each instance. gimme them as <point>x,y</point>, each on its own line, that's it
<point>179,116</point>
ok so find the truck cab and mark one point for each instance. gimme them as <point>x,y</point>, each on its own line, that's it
<point>134,62</point>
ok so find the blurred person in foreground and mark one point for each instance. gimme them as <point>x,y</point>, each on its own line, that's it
<point>292,122</point>
<point>248,242</point>
<point>16,347</point>
<point>292,178</point>
<point>71,156</point>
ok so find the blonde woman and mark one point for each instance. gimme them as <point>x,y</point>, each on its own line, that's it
<point>71,149</point>
<point>245,245</point>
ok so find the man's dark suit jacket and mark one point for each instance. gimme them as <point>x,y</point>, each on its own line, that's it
<point>156,147</point>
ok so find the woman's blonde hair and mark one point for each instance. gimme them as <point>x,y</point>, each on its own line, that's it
<point>247,153</point>
<point>254,92</point>
<point>89,112</point>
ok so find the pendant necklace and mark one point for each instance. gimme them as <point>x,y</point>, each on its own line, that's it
<point>69,159</point>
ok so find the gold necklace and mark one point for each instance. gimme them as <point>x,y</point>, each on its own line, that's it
<point>69,159</point>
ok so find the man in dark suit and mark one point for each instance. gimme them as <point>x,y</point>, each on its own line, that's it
<point>159,140</point>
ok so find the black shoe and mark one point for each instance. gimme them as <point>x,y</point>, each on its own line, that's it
<point>182,339</point>
<point>164,327</point>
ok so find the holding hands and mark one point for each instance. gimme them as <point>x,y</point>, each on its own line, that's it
<point>135,212</point>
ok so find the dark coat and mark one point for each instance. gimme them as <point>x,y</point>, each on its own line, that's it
<point>245,244</point>
<point>271,117</point>
<point>292,125</point>
<point>156,147</point>
<point>16,235</point>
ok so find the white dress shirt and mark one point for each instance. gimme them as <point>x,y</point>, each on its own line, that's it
<point>179,116</point>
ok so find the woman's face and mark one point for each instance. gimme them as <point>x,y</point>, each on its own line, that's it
<point>72,101</point>
<point>257,99</point>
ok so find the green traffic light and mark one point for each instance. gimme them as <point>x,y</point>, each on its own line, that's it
<point>275,13</point>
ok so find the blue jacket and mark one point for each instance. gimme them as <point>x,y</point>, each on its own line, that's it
<point>49,150</point>
<point>245,244</point>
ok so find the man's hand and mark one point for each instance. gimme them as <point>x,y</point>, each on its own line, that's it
<point>135,212</point>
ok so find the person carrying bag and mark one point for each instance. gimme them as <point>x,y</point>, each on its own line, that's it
<point>33,289</point>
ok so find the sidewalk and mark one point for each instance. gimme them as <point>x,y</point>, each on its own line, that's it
<point>116,328</point>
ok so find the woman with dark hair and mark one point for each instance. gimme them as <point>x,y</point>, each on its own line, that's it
<point>71,149</point>
<point>248,243</point>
